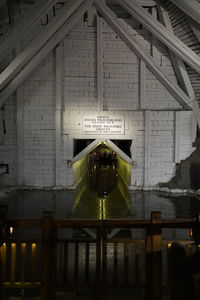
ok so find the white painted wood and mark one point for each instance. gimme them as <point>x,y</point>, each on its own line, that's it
<point>59,74</point>
<point>48,47</point>
<point>155,53</point>
<point>89,148</point>
<point>24,25</point>
<point>1,128</point>
<point>166,37</point>
<point>142,84</point>
<point>191,8</point>
<point>95,143</point>
<point>146,147</point>
<point>146,3</point>
<point>34,46</point>
<point>195,27</point>
<point>181,71</point>
<point>20,138</point>
<point>177,137</point>
<point>132,43</point>
<point>99,63</point>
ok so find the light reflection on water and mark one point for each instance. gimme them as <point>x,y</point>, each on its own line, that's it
<point>32,203</point>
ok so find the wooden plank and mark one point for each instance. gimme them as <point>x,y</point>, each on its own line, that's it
<point>142,85</point>
<point>87,261</point>
<point>166,37</point>
<point>104,261</point>
<point>36,44</point>
<point>66,245</point>
<point>48,258</point>
<point>33,262</point>
<point>59,76</point>
<point>13,263</point>
<point>20,137</point>
<point>190,8</point>
<point>154,258</point>
<point>126,262</point>
<point>24,25</point>
<point>177,137</point>
<point>76,263</point>
<point>48,47</point>
<point>115,265</point>
<point>99,62</point>
<point>22,262</point>
<point>98,276</point>
<point>1,128</point>
<point>137,263</point>
<point>146,147</point>
<point>195,27</point>
<point>131,42</point>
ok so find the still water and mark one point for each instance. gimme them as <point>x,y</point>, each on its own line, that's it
<point>63,204</point>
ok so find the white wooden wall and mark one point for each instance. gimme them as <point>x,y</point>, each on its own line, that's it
<point>92,69</point>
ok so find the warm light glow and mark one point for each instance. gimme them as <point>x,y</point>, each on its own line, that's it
<point>102,209</point>
<point>11,230</point>
<point>13,245</point>
<point>33,246</point>
<point>4,244</point>
<point>169,245</point>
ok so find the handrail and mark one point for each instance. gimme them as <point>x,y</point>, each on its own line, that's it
<point>76,223</point>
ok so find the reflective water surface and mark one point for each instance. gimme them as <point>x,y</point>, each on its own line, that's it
<point>134,205</point>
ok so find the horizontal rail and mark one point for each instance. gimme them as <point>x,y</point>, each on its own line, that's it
<point>179,223</point>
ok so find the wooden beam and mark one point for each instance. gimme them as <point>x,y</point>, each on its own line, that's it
<point>195,27</point>
<point>34,46</point>
<point>146,147</point>
<point>20,138</point>
<point>166,37</point>
<point>177,137</point>
<point>30,19</point>
<point>48,47</point>
<point>191,8</point>
<point>142,69</point>
<point>181,72</point>
<point>59,75</point>
<point>1,128</point>
<point>132,43</point>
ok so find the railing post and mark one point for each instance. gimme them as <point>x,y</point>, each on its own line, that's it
<point>104,259</point>
<point>98,263</point>
<point>154,258</point>
<point>48,257</point>
<point>2,217</point>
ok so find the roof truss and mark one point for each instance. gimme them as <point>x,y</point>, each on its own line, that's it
<point>112,20</point>
<point>161,33</point>
<point>24,25</point>
<point>180,69</point>
<point>40,53</point>
<point>190,7</point>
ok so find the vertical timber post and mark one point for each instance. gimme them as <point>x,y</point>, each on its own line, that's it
<point>2,216</point>
<point>98,262</point>
<point>154,258</point>
<point>104,259</point>
<point>48,258</point>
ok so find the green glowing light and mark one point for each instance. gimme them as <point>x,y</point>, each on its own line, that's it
<point>87,204</point>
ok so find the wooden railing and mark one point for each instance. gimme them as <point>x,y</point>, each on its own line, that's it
<point>53,261</point>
